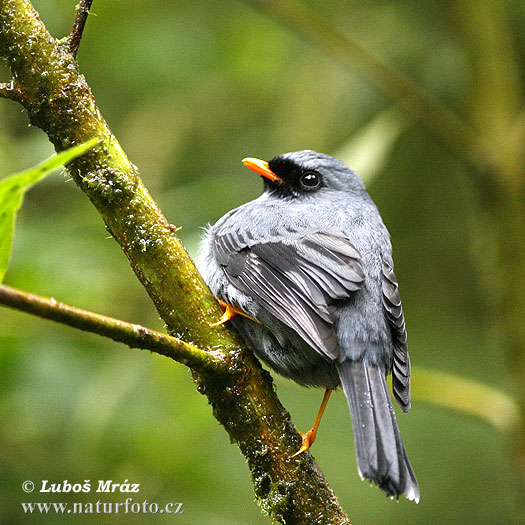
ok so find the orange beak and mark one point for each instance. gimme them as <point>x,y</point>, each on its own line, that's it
<point>261,167</point>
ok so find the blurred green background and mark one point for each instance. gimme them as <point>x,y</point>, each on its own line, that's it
<point>189,89</point>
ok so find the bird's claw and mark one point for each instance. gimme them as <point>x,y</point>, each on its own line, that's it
<point>308,441</point>
<point>309,437</point>
<point>229,312</point>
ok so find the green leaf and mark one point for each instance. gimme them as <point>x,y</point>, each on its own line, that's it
<point>12,191</point>
<point>369,149</point>
<point>466,395</point>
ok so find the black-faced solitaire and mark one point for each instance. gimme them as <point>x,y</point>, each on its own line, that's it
<point>309,266</point>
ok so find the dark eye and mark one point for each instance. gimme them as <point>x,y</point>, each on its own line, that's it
<point>310,180</point>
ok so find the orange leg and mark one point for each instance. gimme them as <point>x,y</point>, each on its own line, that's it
<point>229,312</point>
<point>309,437</point>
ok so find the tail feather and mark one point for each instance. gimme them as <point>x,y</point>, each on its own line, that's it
<point>381,456</point>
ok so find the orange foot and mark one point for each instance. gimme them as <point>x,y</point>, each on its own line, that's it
<point>308,441</point>
<point>309,437</point>
<point>229,312</point>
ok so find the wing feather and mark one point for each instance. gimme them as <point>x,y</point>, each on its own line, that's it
<point>297,280</point>
<point>396,320</point>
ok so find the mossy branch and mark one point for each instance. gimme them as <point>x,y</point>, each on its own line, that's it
<point>59,101</point>
<point>133,335</point>
<point>78,26</point>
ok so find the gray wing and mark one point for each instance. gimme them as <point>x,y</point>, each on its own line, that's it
<point>297,280</point>
<point>396,320</point>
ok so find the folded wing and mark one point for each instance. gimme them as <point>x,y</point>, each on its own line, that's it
<point>297,280</point>
<point>396,321</point>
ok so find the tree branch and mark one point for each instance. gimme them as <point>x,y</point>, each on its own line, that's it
<point>78,26</point>
<point>133,335</point>
<point>59,101</point>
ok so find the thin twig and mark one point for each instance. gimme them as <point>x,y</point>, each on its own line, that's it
<point>78,26</point>
<point>134,335</point>
<point>243,398</point>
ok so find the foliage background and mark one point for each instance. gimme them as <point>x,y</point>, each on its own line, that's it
<point>190,89</point>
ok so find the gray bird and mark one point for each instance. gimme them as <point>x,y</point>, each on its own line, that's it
<point>309,266</point>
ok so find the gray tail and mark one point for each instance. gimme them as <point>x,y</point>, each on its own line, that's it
<point>381,456</point>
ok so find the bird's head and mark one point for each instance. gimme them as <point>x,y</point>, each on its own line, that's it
<point>305,173</point>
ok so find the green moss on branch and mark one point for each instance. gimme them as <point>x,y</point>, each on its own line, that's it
<point>59,101</point>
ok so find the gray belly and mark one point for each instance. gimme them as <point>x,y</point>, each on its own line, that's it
<point>285,352</point>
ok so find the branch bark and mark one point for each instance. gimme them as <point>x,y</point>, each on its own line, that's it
<point>133,335</point>
<point>78,26</point>
<point>59,101</point>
